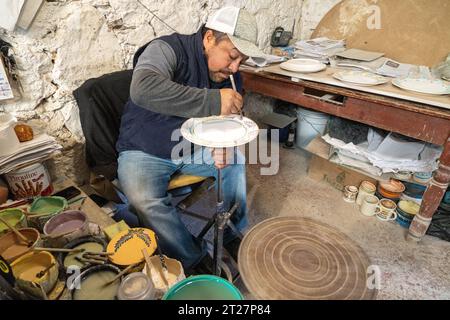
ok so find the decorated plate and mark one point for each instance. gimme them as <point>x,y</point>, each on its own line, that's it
<point>435,87</point>
<point>303,65</point>
<point>361,78</point>
<point>127,246</point>
<point>220,131</point>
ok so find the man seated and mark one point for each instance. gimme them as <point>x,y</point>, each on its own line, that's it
<point>179,77</point>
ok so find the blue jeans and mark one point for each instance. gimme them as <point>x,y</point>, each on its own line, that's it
<point>144,180</point>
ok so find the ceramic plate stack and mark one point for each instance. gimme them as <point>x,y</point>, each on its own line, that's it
<point>303,65</point>
<point>361,78</point>
<point>426,86</point>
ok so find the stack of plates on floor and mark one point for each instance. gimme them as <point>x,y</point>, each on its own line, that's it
<point>427,86</point>
<point>303,65</point>
<point>361,78</point>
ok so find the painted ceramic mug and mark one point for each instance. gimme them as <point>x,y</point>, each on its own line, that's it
<point>367,188</point>
<point>350,194</point>
<point>387,210</point>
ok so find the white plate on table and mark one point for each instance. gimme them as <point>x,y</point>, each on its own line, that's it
<point>220,131</point>
<point>303,65</point>
<point>361,78</point>
<point>427,86</point>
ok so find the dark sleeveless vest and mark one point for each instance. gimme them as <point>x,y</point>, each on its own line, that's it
<point>150,132</point>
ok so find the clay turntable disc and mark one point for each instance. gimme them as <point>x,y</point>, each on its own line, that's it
<point>290,258</point>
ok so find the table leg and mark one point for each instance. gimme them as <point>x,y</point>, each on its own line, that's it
<point>432,197</point>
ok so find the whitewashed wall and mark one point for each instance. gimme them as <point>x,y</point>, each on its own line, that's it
<point>72,41</point>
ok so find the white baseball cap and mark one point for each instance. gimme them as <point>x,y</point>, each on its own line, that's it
<point>240,26</point>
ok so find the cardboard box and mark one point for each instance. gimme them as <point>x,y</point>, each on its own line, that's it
<point>335,175</point>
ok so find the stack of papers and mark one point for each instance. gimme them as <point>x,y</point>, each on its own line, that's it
<point>264,61</point>
<point>321,49</point>
<point>394,69</point>
<point>41,148</point>
<point>389,154</point>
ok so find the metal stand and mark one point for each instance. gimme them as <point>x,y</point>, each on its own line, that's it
<point>220,220</point>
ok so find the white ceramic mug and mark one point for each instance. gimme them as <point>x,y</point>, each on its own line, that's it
<point>370,205</point>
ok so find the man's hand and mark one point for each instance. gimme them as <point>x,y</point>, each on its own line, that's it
<point>231,102</point>
<point>222,157</point>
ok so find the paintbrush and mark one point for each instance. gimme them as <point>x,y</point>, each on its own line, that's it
<point>43,272</point>
<point>163,263</point>
<point>148,262</point>
<point>59,250</point>
<point>17,232</point>
<point>91,261</point>
<point>121,274</point>
<point>233,84</point>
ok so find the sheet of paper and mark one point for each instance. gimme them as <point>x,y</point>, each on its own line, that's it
<point>5,87</point>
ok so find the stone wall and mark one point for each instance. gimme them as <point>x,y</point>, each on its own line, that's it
<point>71,41</point>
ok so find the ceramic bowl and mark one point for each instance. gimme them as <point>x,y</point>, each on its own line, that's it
<point>387,194</point>
<point>14,217</point>
<point>26,270</point>
<point>95,290</point>
<point>89,243</point>
<point>403,175</point>
<point>66,227</point>
<point>414,190</point>
<point>403,221</point>
<point>423,177</point>
<point>12,247</point>
<point>175,274</point>
<point>410,208</point>
<point>393,186</point>
<point>44,208</point>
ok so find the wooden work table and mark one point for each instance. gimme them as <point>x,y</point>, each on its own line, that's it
<point>416,120</point>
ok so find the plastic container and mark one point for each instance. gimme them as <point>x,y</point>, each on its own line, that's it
<point>204,287</point>
<point>14,217</point>
<point>310,124</point>
<point>136,286</point>
<point>66,227</point>
<point>9,142</point>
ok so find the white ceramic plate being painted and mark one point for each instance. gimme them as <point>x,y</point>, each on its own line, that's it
<point>303,65</point>
<point>361,78</point>
<point>220,131</point>
<point>435,87</point>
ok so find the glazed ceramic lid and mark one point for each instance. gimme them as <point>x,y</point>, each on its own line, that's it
<point>127,246</point>
<point>303,65</point>
<point>361,78</point>
<point>220,132</point>
<point>427,86</point>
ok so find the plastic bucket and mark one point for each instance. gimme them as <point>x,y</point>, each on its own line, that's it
<point>204,287</point>
<point>310,124</point>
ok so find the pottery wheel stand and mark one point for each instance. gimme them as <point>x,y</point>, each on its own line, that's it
<point>220,220</point>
